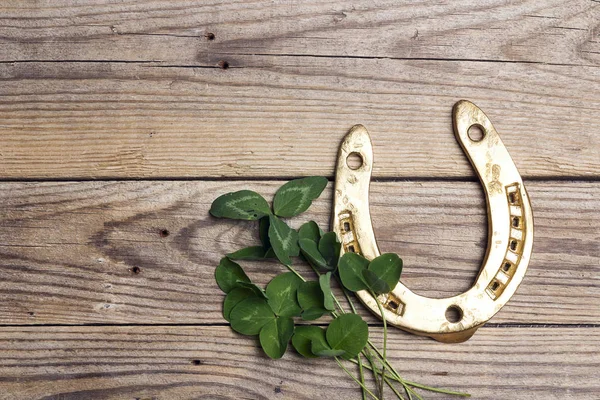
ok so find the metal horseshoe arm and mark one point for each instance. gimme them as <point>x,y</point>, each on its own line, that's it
<point>510,236</point>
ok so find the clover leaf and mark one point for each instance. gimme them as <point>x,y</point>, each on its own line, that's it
<point>228,274</point>
<point>282,293</point>
<point>310,230</point>
<point>275,335</point>
<point>311,300</point>
<point>350,268</point>
<point>245,204</point>
<point>250,315</point>
<point>297,195</point>
<point>284,240</point>
<point>348,332</point>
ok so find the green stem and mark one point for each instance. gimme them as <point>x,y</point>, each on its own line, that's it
<point>362,377</point>
<point>384,337</point>
<point>432,389</point>
<point>417,385</point>
<point>396,375</point>
<point>367,354</point>
<point>386,364</point>
<point>394,390</point>
<point>295,272</point>
<point>354,378</point>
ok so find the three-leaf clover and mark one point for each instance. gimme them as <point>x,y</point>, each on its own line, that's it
<point>379,276</point>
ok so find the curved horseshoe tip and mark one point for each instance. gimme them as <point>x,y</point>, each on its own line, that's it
<point>357,131</point>
<point>357,140</point>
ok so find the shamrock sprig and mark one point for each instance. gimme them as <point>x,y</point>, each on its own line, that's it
<point>272,313</point>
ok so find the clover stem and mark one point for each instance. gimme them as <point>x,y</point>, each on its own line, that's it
<point>384,337</point>
<point>362,377</point>
<point>394,390</point>
<point>395,375</point>
<point>367,354</point>
<point>354,378</point>
<point>377,372</point>
<point>289,267</point>
<point>432,389</point>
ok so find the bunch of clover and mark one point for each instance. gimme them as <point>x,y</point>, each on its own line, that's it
<point>270,313</point>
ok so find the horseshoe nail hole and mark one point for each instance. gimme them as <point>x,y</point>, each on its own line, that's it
<point>454,314</point>
<point>351,249</point>
<point>164,233</point>
<point>393,305</point>
<point>516,222</point>
<point>512,198</point>
<point>354,160</point>
<point>513,245</point>
<point>506,266</point>
<point>346,227</point>
<point>495,286</point>
<point>476,132</point>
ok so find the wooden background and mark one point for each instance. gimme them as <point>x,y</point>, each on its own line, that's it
<point>120,122</point>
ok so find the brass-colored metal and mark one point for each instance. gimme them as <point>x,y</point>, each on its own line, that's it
<point>510,236</point>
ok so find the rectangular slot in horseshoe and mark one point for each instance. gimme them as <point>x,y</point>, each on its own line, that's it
<point>348,236</point>
<point>394,304</point>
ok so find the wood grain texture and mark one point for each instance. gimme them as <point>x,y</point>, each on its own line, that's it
<point>176,31</point>
<point>133,90</point>
<point>69,250</point>
<point>72,363</point>
<point>126,90</point>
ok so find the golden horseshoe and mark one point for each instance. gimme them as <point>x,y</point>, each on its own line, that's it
<point>510,236</point>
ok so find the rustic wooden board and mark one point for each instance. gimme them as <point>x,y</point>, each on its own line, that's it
<point>135,90</point>
<point>68,250</point>
<point>177,31</point>
<point>244,94</point>
<point>144,362</point>
<point>278,116</point>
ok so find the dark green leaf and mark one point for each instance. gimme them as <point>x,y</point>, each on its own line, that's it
<point>228,273</point>
<point>303,338</point>
<point>310,342</point>
<point>244,204</point>
<point>349,333</point>
<point>263,232</point>
<point>311,252</point>
<point>325,284</point>
<point>282,292</point>
<point>311,231</point>
<point>387,267</point>
<point>322,351</point>
<point>250,315</point>
<point>233,298</point>
<point>350,268</point>
<point>258,292</point>
<point>270,253</point>
<point>310,298</point>
<point>275,335</point>
<point>310,295</point>
<point>252,253</point>
<point>376,285</point>
<point>296,196</point>
<point>284,240</point>
<point>313,313</point>
<point>329,247</point>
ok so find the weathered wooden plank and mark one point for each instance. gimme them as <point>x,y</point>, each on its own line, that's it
<point>68,250</point>
<point>280,116</point>
<point>548,31</point>
<point>158,362</point>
